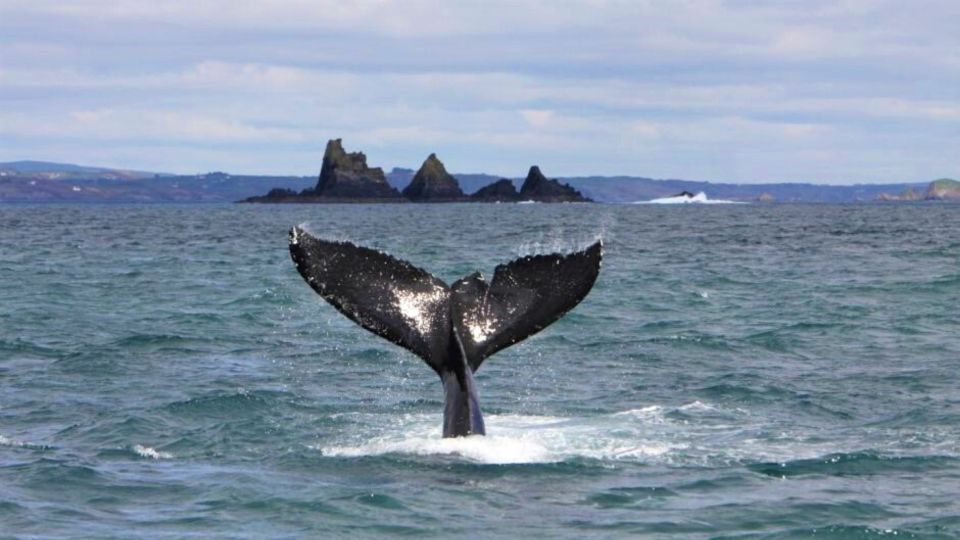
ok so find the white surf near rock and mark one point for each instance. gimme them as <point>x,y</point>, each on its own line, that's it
<point>699,198</point>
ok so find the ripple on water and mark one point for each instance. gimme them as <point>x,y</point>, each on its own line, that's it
<point>856,464</point>
<point>781,371</point>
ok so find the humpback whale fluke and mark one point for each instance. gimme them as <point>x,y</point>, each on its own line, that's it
<point>452,328</point>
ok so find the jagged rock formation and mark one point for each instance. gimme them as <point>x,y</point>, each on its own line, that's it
<point>279,193</point>
<point>433,183</point>
<point>502,190</point>
<point>538,187</point>
<point>944,189</point>
<point>347,176</point>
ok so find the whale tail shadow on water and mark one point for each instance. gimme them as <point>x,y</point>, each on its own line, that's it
<point>452,328</point>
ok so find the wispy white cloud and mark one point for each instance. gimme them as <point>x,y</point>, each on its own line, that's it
<point>824,91</point>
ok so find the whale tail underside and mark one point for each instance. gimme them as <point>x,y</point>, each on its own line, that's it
<point>413,309</point>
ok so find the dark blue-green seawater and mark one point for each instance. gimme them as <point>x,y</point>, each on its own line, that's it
<point>742,371</point>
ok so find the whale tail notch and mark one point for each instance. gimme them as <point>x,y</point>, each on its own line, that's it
<point>413,309</point>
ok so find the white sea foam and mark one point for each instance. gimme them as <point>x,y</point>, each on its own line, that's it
<point>522,439</point>
<point>696,433</point>
<point>493,449</point>
<point>147,452</point>
<point>697,406</point>
<point>4,441</point>
<point>699,198</point>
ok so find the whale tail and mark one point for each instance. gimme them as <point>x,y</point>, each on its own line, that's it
<point>452,328</point>
<point>445,325</point>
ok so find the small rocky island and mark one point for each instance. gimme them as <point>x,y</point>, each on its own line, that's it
<point>432,183</point>
<point>536,187</point>
<point>346,178</point>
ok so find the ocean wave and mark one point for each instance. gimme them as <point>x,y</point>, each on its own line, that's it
<point>863,463</point>
<point>4,441</point>
<point>152,453</point>
<point>699,198</point>
<point>224,403</point>
<point>16,443</point>
<point>22,348</point>
<point>843,531</point>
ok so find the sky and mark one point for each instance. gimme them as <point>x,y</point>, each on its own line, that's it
<point>837,92</point>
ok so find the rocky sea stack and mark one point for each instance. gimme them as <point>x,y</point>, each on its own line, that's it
<point>344,175</point>
<point>502,190</point>
<point>538,187</point>
<point>433,183</point>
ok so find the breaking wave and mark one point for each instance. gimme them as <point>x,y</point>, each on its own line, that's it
<point>152,453</point>
<point>699,198</point>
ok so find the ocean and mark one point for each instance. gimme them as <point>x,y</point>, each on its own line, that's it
<point>738,371</point>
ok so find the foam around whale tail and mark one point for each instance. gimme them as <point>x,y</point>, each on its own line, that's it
<point>410,307</point>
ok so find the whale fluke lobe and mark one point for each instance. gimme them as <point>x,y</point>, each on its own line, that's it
<point>453,329</point>
<point>526,296</point>
<point>387,296</point>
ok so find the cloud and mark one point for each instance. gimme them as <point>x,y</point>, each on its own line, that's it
<point>109,125</point>
<point>712,89</point>
<point>645,129</point>
<point>537,118</point>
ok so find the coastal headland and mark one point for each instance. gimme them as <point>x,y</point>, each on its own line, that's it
<point>944,189</point>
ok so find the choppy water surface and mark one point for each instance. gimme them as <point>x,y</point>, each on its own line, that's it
<point>738,372</point>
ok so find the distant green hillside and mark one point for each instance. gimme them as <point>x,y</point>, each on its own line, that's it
<point>69,169</point>
<point>945,183</point>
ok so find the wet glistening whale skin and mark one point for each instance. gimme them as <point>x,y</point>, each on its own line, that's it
<point>452,328</point>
